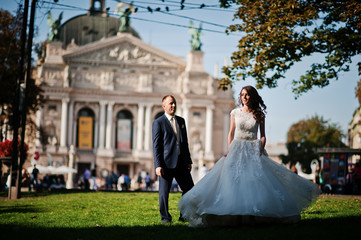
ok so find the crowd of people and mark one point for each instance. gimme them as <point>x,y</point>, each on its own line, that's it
<point>144,182</point>
<point>88,180</point>
<point>116,182</point>
<point>350,185</point>
<point>353,179</point>
<point>32,181</point>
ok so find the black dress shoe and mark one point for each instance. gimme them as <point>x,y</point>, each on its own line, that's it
<point>166,221</point>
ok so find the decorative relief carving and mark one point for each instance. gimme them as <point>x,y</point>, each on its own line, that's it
<point>127,81</point>
<point>126,53</point>
<point>53,78</point>
<point>66,76</point>
<point>145,83</point>
<point>106,80</point>
<point>86,79</point>
<point>54,49</point>
<point>198,86</point>
<point>164,83</point>
<point>210,90</point>
<point>123,55</point>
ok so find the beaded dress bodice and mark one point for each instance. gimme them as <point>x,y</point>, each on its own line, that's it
<point>246,125</point>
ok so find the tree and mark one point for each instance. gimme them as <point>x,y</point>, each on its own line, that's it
<point>10,45</point>
<point>280,33</point>
<point>10,30</point>
<point>305,136</point>
<point>358,87</point>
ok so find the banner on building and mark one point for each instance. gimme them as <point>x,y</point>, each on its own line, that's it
<point>85,134</point>
<point>124,132</point>
<point>334,168</point>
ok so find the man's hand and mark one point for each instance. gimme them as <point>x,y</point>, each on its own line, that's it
<point>159,171</point>
<point>190,167</point>
<point>225,155</point>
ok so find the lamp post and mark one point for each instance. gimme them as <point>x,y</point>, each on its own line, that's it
<point>2,118</point>
<point>18,159</point>
<point>25,88</point>
<point>14,182</point>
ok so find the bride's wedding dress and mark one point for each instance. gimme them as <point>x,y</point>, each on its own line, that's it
<point>246,187</point>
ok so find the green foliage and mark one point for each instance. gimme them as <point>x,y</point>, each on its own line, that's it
<point>316,130</point>
<point>10,48</point>
<point>358,87</point>
<point>128,215</point>
<point>305,136</point>
<point>280,33</point>
<point>10,31</point>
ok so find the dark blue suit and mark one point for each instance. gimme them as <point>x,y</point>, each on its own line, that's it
<point>165,152</point>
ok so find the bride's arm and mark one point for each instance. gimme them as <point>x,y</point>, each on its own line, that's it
<point>263,135</point>
<point>231,131</point>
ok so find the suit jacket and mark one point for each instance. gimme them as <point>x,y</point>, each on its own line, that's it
<point>165,145</point>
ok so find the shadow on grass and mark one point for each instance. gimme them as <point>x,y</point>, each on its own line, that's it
<point>4,194</point>
<point>333,228</point>
<point>19,209</point>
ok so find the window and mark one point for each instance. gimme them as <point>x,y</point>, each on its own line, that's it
<point>85,129</point>
<point>52,108</point>
<point>124,131</point>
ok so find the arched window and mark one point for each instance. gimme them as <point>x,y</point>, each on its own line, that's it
<point>97,5</point>
<point>85,129</point>
<point>124,131</point>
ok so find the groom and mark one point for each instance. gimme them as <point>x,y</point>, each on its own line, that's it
<point>171,155</point>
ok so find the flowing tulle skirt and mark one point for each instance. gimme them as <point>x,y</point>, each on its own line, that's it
<point>244,187</point>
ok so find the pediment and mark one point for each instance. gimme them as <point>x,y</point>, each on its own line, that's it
<point>123,48</point>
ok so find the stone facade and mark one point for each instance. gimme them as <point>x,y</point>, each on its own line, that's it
<point>354,133</point>
<point>115,85</point>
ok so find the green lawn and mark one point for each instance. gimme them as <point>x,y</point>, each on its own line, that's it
<point>120,215</point>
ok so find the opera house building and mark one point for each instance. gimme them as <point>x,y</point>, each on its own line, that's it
<point>103,89</point>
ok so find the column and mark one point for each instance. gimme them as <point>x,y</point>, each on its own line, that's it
<point>185,112</point>
<point>96,135</point>
<point>148,120</point>
<point>209,132</point>
<point>108,140</point>
<point>63,129</point>
<point>38,125</point>
<point>70,179</point>
<point>131,170</point>
<point>71,123</point>
<point>140,126</point>
<point>179,111</point>
<point>101,124</point>
<point>75,127</point>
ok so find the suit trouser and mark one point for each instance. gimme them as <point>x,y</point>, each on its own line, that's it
<point>183,176</point>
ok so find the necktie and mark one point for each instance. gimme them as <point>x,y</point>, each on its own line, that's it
<point>174,125</point>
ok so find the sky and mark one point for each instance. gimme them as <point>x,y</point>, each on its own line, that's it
<point>169,31</point>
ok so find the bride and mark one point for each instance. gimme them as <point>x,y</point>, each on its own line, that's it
<point>245,186</point>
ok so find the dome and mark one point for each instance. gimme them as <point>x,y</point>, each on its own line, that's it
<point>90,27</point>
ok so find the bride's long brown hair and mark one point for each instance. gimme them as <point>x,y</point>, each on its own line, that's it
<point>256,104</point>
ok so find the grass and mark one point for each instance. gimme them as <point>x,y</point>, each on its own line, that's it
<point>135,215</point>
